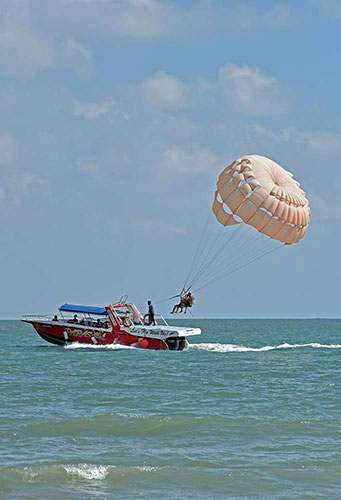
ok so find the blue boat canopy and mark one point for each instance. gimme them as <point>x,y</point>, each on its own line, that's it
<point>83,309</point>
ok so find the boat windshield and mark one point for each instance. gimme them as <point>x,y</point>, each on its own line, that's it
<point>123,311</point>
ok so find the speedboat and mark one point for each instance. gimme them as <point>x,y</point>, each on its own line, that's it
<point>120,323</point>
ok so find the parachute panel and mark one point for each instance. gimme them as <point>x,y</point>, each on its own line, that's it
<point>222,216</point>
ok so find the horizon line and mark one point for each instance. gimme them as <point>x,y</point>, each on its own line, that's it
<point>230,318</point>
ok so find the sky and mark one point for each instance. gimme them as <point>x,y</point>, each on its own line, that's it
<point>116,118</point>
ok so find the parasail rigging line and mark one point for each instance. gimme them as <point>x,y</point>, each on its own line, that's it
<point>206,250</point>
<point>236,264</point>
<point>196,253</point>
<point>238,268</point>
<point>220,265</point>
<point>216,258</point>
<point>213,277</point>
<point>212,256</point>
<point>205,259</point>
<point>168,298</point>
<point>210,265</point>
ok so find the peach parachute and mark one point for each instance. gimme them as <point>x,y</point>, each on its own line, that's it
<point>264,195</point>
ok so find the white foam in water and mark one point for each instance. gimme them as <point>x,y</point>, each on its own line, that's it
<point>78,345</point>
<point>147,468</point>
<point>29,473</point>
<point>86,471</point>
<point>237,348</point>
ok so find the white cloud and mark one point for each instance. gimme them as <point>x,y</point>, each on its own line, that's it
<point>155,19</point>
<point>77,58</point>
<point>188,161</point>
<point>7,149</point>
<point>89,167</point>
<point>142,19</point>
<point>15,187</point>
<point>323,141</point>
<point>240,88</point>
<point>149,225</point>
<point>324,208</point>
<point>20,184</point>
<point>154,225</point>
<point>162,89</point>
<point>102,164</point>
<point>22,53</point>
<point>94,110</point>
<point>320,141</point>
<point>331,7</point>
<point>251,90</point>
<point>35,36</point>
<point>250,18</point>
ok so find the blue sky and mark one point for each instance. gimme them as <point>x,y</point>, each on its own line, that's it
<point>116,118</point>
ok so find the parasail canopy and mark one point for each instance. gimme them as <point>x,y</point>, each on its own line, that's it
<point>264,195</point>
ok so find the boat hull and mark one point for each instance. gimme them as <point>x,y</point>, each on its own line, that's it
<point>62,334</point>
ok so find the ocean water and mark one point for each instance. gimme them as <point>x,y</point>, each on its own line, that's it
<point>251,411</point>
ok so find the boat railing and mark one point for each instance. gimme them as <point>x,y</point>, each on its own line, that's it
<point>45,317</point>
<point>157,316</point>
<point>123,300</point>
<point>63,321</point>
<point>163,319</point>
<point>36,317</point>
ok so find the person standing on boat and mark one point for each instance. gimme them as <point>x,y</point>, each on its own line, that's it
<point>151,313</point>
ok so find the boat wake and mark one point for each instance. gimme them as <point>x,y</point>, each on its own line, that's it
<point>213,347</point>
<point>114,347</point>
<point>238,348</point>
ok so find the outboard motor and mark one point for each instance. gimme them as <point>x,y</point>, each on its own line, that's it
<point>177,344</point>
<point>173,344</point>
<point>183,344</point>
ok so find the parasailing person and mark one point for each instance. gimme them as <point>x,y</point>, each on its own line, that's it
<point>186,301</point>
<point>179,306</point>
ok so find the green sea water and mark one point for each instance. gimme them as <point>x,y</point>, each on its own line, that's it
<point>251,411</point>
